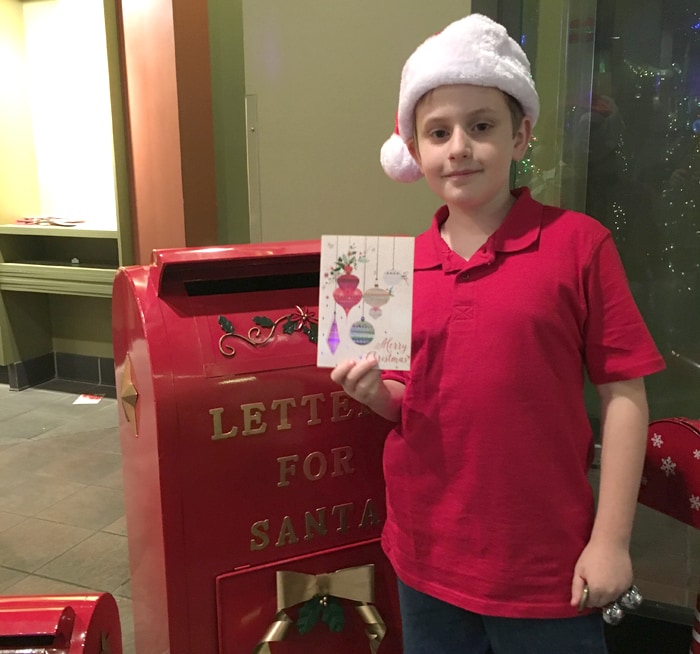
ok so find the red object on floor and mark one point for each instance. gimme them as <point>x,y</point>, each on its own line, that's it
<point>60,624</point>
<point>671,477</point>
<point>671,480</point>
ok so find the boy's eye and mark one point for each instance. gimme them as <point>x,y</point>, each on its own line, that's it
<point>482,127</point>
<point>439,134</point>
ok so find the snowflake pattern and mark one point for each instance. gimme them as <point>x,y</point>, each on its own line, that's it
<point>668,467</point>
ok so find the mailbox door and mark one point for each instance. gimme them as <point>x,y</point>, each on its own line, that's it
<point>247,608</point>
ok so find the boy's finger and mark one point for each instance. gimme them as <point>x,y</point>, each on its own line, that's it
<point>361,368</point>
<point>340,373</point>
<point>579,592</point>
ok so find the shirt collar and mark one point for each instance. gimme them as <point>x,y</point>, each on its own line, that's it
<point>519,230</point>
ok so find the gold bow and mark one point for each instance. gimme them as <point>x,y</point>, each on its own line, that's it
<point>355,584</point>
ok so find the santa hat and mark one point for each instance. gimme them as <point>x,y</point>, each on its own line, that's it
<point>473,50</point>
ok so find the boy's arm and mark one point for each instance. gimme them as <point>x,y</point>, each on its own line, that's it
<point>605,562</point>
<point>362,381</point>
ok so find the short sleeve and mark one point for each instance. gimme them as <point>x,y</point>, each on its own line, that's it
<point>395,375</point>
<point>618,345</point>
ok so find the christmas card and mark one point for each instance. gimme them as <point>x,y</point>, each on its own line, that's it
<point>365,300</point>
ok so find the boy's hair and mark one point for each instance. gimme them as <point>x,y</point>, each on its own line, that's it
<point>474,50</point>
<point>517,113</point>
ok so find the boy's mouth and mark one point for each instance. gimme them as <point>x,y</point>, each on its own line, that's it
<point>461,173</point>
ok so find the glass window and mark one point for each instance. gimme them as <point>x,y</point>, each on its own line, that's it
<point>619,139</point>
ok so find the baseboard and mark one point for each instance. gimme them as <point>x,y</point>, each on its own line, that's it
<point>31,372</point>
<point>80,369</point>
<point>639,635</point>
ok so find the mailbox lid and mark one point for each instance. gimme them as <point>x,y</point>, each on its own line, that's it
<point>38,624</point>
<point>176,266</point>
<point>165,257</point>
<point>212,300</point>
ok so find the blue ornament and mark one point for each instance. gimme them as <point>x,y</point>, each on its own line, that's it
<point>362,332</point>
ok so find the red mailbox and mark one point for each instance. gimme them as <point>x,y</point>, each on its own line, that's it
<point>60,624</point>
<point>253,485</point>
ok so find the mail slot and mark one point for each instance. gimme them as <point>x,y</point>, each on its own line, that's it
<point>60,624</point>
<point>253,485</point>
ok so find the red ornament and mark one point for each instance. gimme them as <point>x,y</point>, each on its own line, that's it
<point>347,295</point>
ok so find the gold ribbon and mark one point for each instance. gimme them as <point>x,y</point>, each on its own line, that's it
<point>355,584</point>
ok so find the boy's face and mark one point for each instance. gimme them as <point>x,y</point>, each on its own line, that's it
<point>465,143</point>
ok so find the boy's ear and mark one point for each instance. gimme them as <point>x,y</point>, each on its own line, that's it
<point>413,150</point>
<point>522,139</point>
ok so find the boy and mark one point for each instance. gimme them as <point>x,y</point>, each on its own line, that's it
<point>490,517</point>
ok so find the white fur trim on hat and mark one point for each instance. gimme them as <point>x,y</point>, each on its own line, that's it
<point>397,161</point>
<point>473,50</point>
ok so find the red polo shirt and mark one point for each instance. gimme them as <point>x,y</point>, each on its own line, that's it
<point>488,502</point>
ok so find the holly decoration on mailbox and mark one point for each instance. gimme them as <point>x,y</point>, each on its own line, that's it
<point>326,608</point>
<point>320,599</point>
<point>301,320</point>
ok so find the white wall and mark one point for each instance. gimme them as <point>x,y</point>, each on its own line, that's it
<point>71,113</point>
<point>322,82</point>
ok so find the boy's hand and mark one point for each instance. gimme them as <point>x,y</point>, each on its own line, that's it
<point>361,380</point>
<point>607,569</point>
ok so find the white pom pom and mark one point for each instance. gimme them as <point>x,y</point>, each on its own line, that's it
<point>397,161</point>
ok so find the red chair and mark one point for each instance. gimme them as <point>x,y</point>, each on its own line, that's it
<point>671,480</point>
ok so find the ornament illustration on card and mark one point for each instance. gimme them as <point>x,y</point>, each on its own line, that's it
<point>365,300</point>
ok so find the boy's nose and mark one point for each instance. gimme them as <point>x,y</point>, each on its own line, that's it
<point>460,146</point>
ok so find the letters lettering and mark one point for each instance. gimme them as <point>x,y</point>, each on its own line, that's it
<point>256,416</point>
<point>284,414</point>
<point>315,465</point>
<point>315,524</point>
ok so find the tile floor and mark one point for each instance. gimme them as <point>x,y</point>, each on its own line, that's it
<point>62,523</point>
